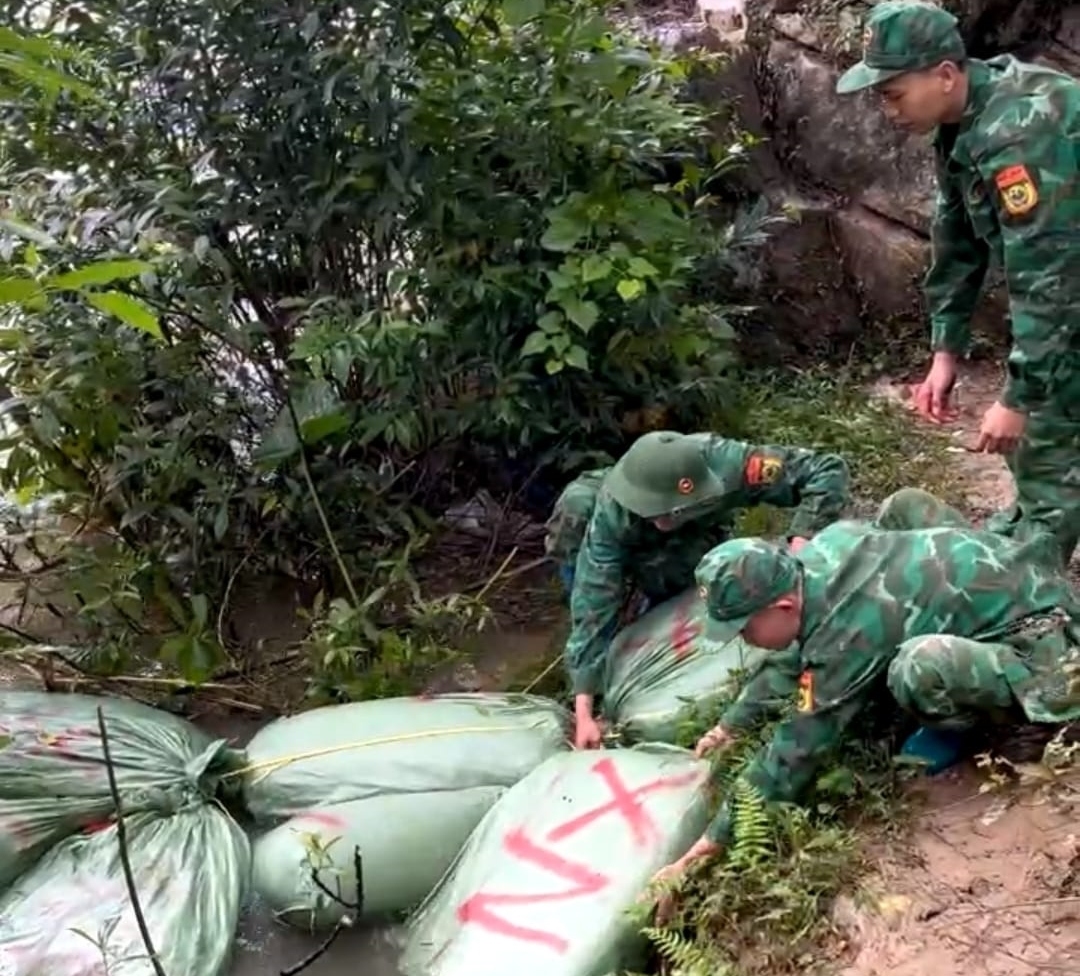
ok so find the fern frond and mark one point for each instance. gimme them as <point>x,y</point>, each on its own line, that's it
<point>687,958</point>
<point>752,826</point>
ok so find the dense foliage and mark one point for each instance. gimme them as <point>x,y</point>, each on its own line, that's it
<point>284,274</point>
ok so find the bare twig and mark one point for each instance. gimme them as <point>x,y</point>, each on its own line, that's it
<point>121,839</point>
<point>353,913</point>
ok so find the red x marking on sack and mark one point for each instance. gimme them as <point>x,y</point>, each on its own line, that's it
<point>478,909</point>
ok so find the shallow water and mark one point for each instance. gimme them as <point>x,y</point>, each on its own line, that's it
<point>267,948</point>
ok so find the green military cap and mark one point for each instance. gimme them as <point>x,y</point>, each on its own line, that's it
<point>899,37</point>
<point>663,473</point>
<point>740,577</point>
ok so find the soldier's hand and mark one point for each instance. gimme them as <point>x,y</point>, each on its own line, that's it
<point>1001,430</point>
<point>716,739</point>
<point>587,734</point>
<point>931,398</point>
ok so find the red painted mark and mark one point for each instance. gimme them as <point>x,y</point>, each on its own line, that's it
<point>322,819</point>
<point>585,881</point>
<point>478,908</point>
<point>626,802</point>
<point>686,629</point>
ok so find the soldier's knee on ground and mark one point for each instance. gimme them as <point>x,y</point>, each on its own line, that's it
<point>918,675</point>
<point>914,508</point>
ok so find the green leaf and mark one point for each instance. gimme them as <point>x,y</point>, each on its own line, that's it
<point>562,235</point>
<point>98,273</point>
<point>27,233</point>
<point>630,288</point>
<point>582,314</point>
<point>577,357</point>
<point>129,310</point>
<point>554,366</point>
<point>19,290</point>
<point>595,268</point>
<point>519,12</point>
<point>641,268</point>
<point>536,343</point>
<point>320,412</point>
<point>193,657</point>
<point>221,522</point>
<point>200,609</point>
<point>550,321</point>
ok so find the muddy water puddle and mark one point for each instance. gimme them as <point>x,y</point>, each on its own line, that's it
<point>265,947</point>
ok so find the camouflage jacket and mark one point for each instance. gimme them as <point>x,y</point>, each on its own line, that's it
<point>617,542</point>
<point>1009,191</point>
<point>866,591</point>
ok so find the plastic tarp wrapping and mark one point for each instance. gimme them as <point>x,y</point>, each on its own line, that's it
<point>662,667</point>
<point>402,780</point>
<point>70,915</point>
<point>546,881</point>
<point>53,778</point>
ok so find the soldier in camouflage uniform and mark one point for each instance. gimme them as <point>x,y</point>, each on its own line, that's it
<point>962,626</point>
<point>1007,145</point>
<point>647,521</point>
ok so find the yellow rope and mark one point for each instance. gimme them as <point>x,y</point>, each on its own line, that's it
<point>268,766</point>
<point>542,675</point>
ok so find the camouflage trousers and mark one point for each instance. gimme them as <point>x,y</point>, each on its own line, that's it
<point>950,682</point>
<point>914,508</point>
<point>1046,469</point>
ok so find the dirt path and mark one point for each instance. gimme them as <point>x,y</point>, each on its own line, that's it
<point>980,891</point>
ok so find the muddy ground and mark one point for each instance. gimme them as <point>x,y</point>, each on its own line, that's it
<point>980,890</point>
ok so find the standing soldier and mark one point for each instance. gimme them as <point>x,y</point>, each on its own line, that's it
<point>1007,146</point>
<point>648,520</point>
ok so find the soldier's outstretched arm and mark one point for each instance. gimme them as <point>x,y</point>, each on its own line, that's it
<point>816,484</point>
<point>596,596</point>
<point>770,689</point>
<point>958,264</point>
<point>833,696</point>
<point>1030,168</point>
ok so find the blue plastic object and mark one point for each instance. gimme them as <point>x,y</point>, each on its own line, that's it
<point>938,748</point>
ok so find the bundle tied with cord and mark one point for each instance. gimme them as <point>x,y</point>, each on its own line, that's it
<point>402,782</point>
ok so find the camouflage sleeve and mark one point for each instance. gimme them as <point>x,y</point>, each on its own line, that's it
<point>817,485</point>
<point>958,264</point>
<point>1033,185</point>
<point>770,688</point>
<point>597,596</point>
<point>831,696</point>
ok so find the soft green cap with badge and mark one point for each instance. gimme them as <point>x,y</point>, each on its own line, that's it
<point>664,472</point>
<point>740,577</point>
<point>899,37</point>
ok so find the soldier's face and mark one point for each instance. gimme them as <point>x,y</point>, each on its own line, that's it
<point>922,100</point>
<point>774,627</point>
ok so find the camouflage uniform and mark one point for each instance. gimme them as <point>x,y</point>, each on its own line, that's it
<point>960,625</point>
<point>1008,191</point>
<point>602,523</point>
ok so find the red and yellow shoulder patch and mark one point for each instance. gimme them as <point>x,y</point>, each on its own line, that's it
<point>806,691</point>
<point>761,469</point>
<point>1019,195</point>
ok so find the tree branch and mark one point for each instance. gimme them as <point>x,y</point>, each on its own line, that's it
<point>121,838</point>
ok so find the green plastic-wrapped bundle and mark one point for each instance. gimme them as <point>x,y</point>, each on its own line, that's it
<point>402,781</point>
<point>70,915</point>
<point>546,881</point>
<point>53,778</point>
<point>662,668</point>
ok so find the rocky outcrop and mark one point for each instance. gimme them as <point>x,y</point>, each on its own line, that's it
<point>851,262</point>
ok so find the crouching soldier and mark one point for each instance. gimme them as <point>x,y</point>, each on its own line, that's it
<point>634,533</point>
